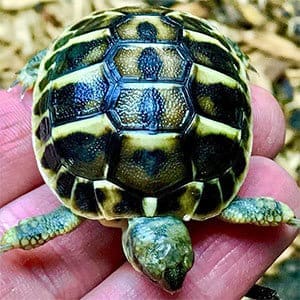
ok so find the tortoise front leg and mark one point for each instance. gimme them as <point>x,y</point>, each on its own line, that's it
<point>27,76</point>
<point>33,232</point>
<point>263,211</point>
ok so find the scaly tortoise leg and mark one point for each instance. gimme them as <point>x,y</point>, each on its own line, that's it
<point>27,76</point>
<point>263,211</point>
<point>33,232</point>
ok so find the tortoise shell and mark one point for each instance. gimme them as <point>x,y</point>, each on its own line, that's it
<point>143,112</point>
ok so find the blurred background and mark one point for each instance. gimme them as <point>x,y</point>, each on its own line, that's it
<point>268,31</point>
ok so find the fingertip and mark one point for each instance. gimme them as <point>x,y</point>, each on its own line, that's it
<point>268,123</point>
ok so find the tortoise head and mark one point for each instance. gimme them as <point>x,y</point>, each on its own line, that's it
<point>160,247</point>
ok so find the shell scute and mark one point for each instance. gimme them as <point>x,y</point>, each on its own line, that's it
<point>41,104</point>
<point>218,96</point>
<point>148,29</point>
<point>211,200</point>
<point>84,150</point>
<point>189,22</point>
<point>214,57</point>
<point>151,62</point>
<point>227,183</point>
<point>43,131</point>
<point>82,52</point>
<point>83,200</point>
<point>182,201</point>
<point>115,201</point>
<point>149,163</point>
<point>97,22</point>
<point>75,96</point>
<point>140,108</point>
<point>50,159</point>
<point>64,184</point>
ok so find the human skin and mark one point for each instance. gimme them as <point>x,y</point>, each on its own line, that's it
<point>89,263</point>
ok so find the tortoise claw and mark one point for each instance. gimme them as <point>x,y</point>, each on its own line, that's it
<point>27,76</point>
<point>14,83</point>
<point>294,222</point>
<point>23,91</point>
<point>5,247</point>
<point>25,87</point>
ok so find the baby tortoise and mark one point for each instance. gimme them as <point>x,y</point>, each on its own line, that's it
<point>142,119</point>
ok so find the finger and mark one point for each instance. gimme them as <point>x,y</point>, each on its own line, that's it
<point>19,173</point>
<point>18,169</point>
<point>229,258</point>
<point>64,268</point>
<point>268,123</point>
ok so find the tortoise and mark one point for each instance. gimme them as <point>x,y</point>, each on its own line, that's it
<point>141,120</point>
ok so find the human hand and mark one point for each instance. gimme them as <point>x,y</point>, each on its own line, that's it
<point>89,262</point>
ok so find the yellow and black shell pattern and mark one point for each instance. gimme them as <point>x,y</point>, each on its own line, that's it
<point>143,112</point>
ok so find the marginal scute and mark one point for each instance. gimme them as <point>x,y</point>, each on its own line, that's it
<point>41,104</point>
<point>211,201</point>
<point>98,22</point>
<point>64,183</point>
<point>115,202</point>
<point>181,202</point>
<point>227,183</point>
<point>149,206</point>
<point>80,24</point>
<point>192,23</point>
<point>245,131</point>
<point>43,131</point>
<point>136,11</point>
<point>84,199</point>
<point>61,42</point>
<point>239,164</point>
<point>50,159</point>
<point>46,79</point>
